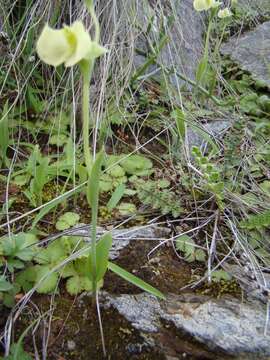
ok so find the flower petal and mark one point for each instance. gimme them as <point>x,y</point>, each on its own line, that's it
<point>201,5</point>
<point>83,44</point>
<point>222,14</point>
<point>97,50</point>
<point>53,47</point>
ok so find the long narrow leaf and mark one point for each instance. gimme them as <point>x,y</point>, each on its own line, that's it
<point>93,183</point>
<point>47,208</point>
<point>135,280</point>
<point>103,248</point>
<point>179,117</point>
<point>116,196</point>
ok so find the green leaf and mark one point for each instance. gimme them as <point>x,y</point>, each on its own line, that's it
<point>185,244</point>
<point>265,186</point>
<point>116,196</point>
<point>218,275</point>
<point>116,171</point>
<point>206,137</point>
<point>67,271</point>
<point>47,208</point>
<point>106,183</point>
<point>19,245</point>
<point>201,70</point>
<point>137,165</point>
<point>127,209</point>
<point>67,220</point>
<point>103,248</point>
<point>58,140</point>
<point>14,263</point>
<point>258,221</point>
<point>53,254</point>
<point>76,284</point>
<point>179,118</point>
<point>26,278</point>
<point>49,282</point>
<point>17,353</point>
<point>102,256</point>
<point>40,177</point>
<point>4,284</point>
<point>200,255</point>
<point>135,280</point>
<point>21,180</point>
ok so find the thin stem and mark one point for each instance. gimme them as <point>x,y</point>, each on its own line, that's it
<point>207,40</point>
<point>100,326</point>
<point>94,248</point>
<point>86,69</point>
<point>91,9</point>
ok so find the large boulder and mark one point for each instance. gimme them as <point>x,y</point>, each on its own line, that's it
<point>252,52</point>
<point>226,326</point>
<point>138,25</point>
<point>184,28</point>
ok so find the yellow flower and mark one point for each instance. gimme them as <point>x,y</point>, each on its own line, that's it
<point>200,5</point>
<point>69,45</point>
<point>224,13</point>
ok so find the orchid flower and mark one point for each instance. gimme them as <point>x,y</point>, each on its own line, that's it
<point>68,45</point>
<point>201,5</point>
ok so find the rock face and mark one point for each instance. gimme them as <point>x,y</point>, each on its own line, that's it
<point>225,326</point>
<point>260,6</point>
<point>252,52</point>
<point>184,28</point>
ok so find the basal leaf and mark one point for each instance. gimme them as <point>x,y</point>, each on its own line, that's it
<point>49,279</point>
<point>135,280</point>
<point>102,251</point>
<point>179,118</point>
<point>4,284</point>
<point>116,196</point>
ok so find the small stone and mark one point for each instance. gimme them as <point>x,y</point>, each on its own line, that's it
<point>71,345</point>
<point>135,349</point>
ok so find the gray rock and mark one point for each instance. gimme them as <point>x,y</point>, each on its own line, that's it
<point>71,345</point>
<point>121,237</point>
<point>255,283</point>
<point>252,52</point>
<point>259,6</point>
<point>214,129</point>
<point>228,325</point>
<point>184,46</point>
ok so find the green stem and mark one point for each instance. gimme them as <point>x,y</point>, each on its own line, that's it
<point>94,249</point>
<point>91,9</point>
<point>207,40</point>
<point>86,69</point>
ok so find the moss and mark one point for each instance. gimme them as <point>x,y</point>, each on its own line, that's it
<point>223,287</point>
<point>77,321</point>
